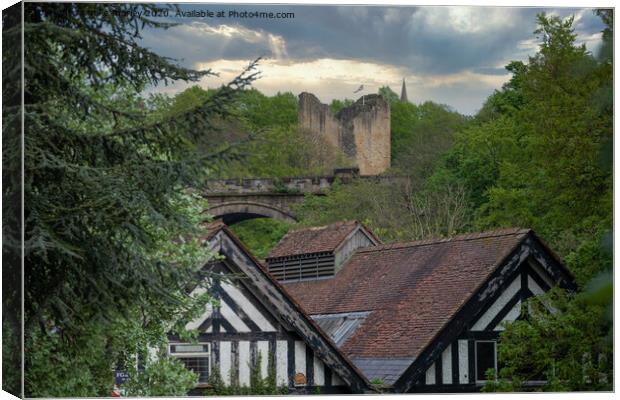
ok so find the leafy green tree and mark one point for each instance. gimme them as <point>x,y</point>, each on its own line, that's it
<point>188,99</point>
<point>278,147</point>
<point>262,112</point>
<point>561,341</point>
<point>336,105</point>
<point>554,174</point>
<point>557,184</point>
<point>163,376</point>
<point>286,151</point>
<point>394,210</point>
<point>104,190</point>
<point>535,155</point>
<point>261,234</point>
<point>478,153</point>
<point>389,95</point>
<point>420,135</point>
<point>507,101</point>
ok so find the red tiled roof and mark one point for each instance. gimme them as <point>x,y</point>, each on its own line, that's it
<point>313,240</point>
<point>412,289</point>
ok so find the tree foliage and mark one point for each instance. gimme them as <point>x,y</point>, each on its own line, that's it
<point>534,155</point>
<point>389,95</point>
<point>394,210</point>
<point>261,234</point>
<point>336,105</point>
<point>104,190</point>
<point>547,168</point>
<point>562,341</point>
<point>420,135</point>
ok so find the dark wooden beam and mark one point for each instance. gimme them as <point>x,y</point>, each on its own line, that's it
<point>455,363</point>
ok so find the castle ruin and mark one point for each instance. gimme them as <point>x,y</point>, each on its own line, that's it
<point>361,131</point>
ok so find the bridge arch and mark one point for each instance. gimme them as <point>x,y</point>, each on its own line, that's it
<point>237,211</point>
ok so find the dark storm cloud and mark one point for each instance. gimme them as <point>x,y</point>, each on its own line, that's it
<point>455,55</point>
<point>423,39</point>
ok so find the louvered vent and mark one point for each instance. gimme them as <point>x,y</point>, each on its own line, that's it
<point>305,266</point>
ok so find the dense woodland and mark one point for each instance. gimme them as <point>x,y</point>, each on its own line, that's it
<point>109,224</point>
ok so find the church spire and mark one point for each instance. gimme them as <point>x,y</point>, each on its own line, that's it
<point>403,92</point>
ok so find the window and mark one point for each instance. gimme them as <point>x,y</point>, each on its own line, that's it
<point>486,358</point>
<point>196,357</point>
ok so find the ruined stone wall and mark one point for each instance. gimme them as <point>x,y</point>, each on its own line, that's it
<point>361,131</point>
<point>317,118</point>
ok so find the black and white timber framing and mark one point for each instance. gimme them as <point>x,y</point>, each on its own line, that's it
<point>448,363</point>
<point>256,319</point>
<point>254,316</point>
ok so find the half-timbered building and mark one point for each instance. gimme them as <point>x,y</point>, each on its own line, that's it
<point>254,324</point>
<point>335,309</point>
<point>426,315</point>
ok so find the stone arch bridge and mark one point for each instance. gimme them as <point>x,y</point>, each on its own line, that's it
<point>235,200</point>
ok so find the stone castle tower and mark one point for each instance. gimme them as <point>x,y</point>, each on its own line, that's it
<point>361,131</point>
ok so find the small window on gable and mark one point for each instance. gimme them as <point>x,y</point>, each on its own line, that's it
<point>196,357</point>
<point>486,358</point>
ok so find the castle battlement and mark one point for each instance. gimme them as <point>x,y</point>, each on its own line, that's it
<point>361,131</point>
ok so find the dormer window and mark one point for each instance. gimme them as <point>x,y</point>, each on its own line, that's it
<point>317,252</point>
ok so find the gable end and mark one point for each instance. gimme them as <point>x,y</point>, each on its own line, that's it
<point>270,292</point>
<point>514,266</point>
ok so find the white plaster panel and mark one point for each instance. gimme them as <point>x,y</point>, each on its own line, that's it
<point>246,305</point>
<point>533,286</point>
<point>319,372</point>
<point>537,290</point>
<point>544,275</point>
<point>497,306</point>
<point>233,318</point>
<point>300,357</point>
<point>262,348</point>
<point>430,375</point>
<point>208,310</point>
<point>244,363</point>
<point>446,365</point>
<point>336,380</point>
<point>463,361</point>
<point>281,362</point>
<point>512,315</point>
<point>225,361</point>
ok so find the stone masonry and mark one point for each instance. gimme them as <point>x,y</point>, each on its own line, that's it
<point>361,131</point>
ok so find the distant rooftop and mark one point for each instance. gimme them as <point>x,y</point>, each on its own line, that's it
<point>321,239</point>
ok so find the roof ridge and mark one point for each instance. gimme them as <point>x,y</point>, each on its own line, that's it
<point>313,239</point>
<point>304,228</point>
<point>457,238</point>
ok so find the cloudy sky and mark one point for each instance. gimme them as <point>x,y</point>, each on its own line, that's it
<point>450,55</point>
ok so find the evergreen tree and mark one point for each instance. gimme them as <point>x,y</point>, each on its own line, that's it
<point>104,182</point>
